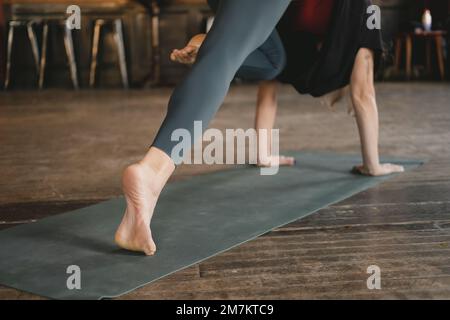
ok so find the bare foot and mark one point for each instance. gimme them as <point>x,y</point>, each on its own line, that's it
<point>134,232</point>
<point>382,170</point>
<point>188,54</point>
<point>142,185</point>
<point>281,161</point>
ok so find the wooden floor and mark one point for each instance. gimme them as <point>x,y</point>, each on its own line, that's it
<point>61,150</point>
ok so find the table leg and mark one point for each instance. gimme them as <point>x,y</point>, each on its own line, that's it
<point>440,56</point>
<point>408,57</point>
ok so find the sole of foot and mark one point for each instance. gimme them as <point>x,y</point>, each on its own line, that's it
<point>134,232</point>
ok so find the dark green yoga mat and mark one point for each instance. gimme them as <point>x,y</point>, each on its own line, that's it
<point>194,220</point>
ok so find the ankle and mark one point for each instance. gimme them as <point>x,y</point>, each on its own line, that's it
<point>159,163</point>
<point>371,168</point>
<point>197,40</point>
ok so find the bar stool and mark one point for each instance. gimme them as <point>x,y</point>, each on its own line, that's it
<point>69,48</point>
<point>13,25</point>
<point>118,38</point>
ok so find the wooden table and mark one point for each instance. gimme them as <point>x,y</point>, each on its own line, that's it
<point>408,38</point>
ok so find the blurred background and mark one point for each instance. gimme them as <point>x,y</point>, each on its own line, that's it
<point>125,43</point>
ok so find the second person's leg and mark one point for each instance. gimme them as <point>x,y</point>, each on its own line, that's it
<point>266,110</point>
<point>366,112</point>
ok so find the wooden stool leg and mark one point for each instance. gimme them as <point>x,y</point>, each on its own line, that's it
<point>70,52</point>
<point>43,61</point>
<point>94,53</point>
<point>408,57</point>
<point>156,49</point>
<point>118,36</point>
<point>8,56</point>
<point>34,45</point>
<point>440,56</point>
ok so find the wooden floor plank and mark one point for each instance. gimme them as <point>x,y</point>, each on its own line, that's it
<point>402,225</point>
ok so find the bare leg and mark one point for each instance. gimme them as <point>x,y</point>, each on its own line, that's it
<point>142,183</point>
<point>366,112</point>
<point>266,110</point>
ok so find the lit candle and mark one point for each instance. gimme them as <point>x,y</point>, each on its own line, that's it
<point>427,20</point>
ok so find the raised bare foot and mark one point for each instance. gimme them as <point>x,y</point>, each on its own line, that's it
<point>382,170</point>
<point>188,54</point>
<point>281,161</point>
<point>142,184</point>
<point>134,232</point>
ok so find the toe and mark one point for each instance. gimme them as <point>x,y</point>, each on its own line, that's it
<point>397,168</point>
<point>150,249</point>
<point>286,161</point>
<point>176,54</point>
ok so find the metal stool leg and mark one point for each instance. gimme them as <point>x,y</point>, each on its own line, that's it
<point>68,43</point>
<point>43,61</point>
<point>8,54</point>
<point>94,53</point>
<point>34,45</point>
<point>118,36</point>
<point>156,50</point>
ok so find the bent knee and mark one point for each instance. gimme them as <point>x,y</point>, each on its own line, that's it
<point>279,64</point>
<point>275,70</point>
<point>273,73</point>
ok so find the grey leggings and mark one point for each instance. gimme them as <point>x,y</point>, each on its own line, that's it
<point>242,41</point>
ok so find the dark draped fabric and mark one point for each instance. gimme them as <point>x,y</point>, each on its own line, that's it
<point>2,41</point>
<point>318,72</point>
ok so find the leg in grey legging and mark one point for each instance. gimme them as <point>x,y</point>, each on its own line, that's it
<point>264,63</point>
<point>240,28</point>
